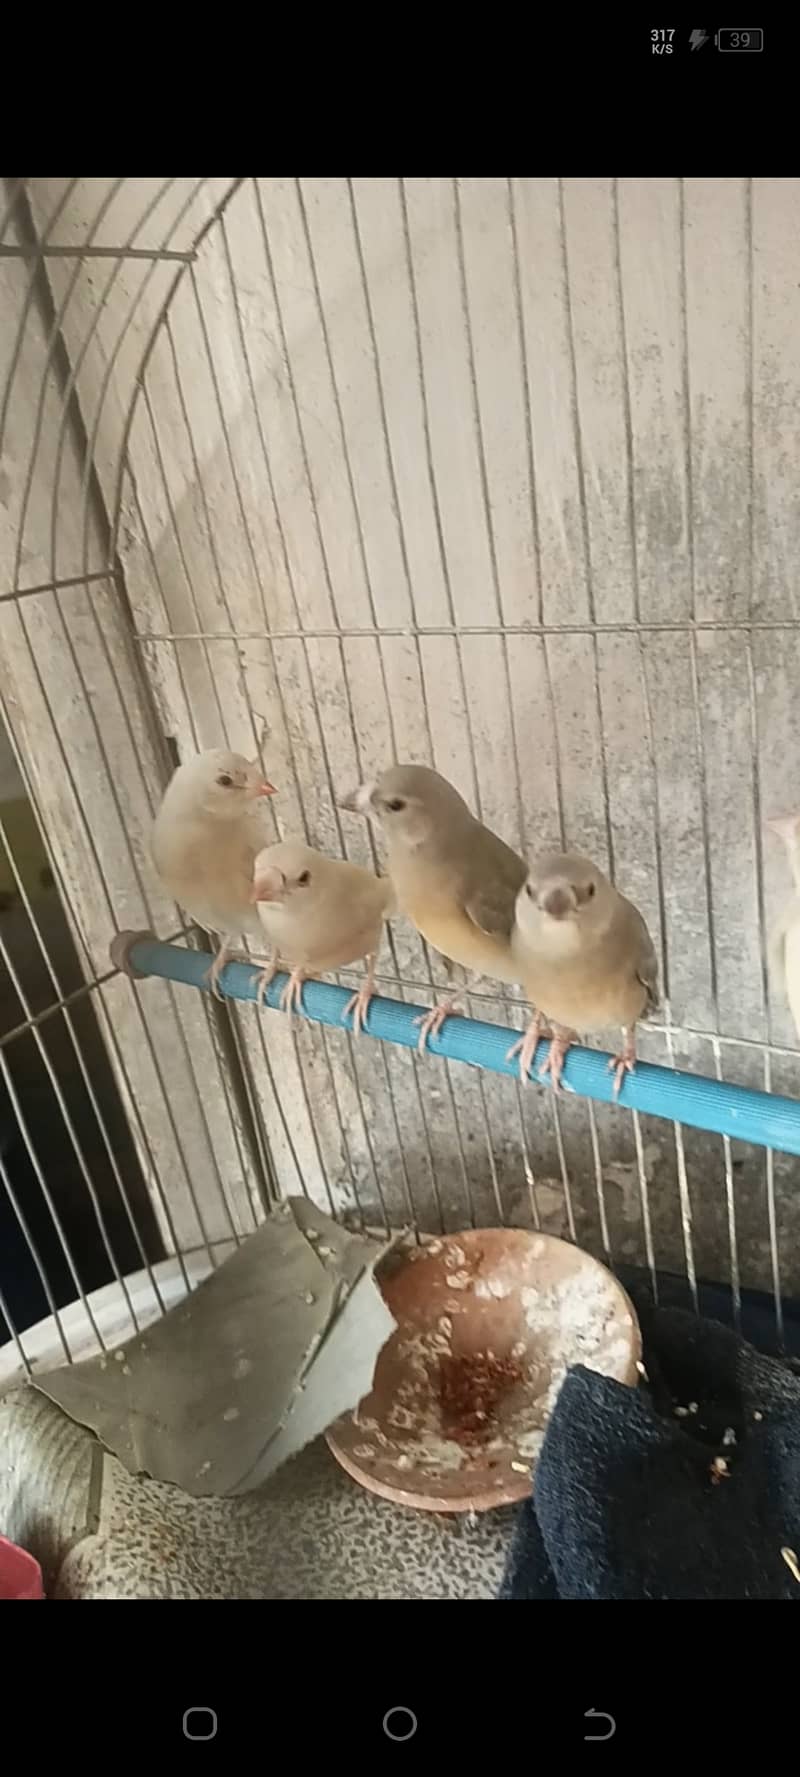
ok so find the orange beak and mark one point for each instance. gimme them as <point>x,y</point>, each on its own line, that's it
<point>269,885</point>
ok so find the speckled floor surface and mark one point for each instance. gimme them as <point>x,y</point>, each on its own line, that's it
<point>309,1533</point>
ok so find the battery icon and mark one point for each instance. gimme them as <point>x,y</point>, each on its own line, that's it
<point>739,42</point>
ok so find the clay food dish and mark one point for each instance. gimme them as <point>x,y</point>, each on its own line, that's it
<point>488,1322</point>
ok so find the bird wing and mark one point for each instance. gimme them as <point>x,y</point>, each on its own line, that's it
<point>647,964</point>
<point>496,876</point>
<point>389,894</point>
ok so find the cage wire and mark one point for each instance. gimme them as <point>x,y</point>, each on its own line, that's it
<point>484,474</point>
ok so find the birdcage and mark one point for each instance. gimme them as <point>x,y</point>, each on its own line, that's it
<point>495,475</point>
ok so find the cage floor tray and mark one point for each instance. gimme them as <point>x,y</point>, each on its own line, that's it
<point>488,1322</point>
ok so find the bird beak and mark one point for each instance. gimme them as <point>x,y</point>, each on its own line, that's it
<point>358,801</point>
<point>265,789</point>
<point>268,885</point>
<point>558,903</point>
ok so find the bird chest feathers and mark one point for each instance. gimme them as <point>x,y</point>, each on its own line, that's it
<point>581,987</point>
<point>221,872</point>
<point>210,875</point>
<point>335,925</point>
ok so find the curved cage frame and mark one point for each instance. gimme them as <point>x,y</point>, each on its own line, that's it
<point>236,480</point>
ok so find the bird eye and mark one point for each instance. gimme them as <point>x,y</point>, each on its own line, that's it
<point>529,891</point>
<point>225,780</point>
<point>304,879</point>
<point>396,804</point>
<point>590,891</point>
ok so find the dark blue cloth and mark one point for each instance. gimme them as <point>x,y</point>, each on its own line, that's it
<point>758,1322</point>
<point>626,1501</point>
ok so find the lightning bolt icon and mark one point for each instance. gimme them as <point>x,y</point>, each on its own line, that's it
<point>698,38</point>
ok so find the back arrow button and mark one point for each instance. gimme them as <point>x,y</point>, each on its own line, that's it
<point>600,1715</point>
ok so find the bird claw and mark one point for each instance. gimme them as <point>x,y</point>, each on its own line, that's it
<point>263,980</point>
<point>431,1022</point>
<point>553,1063</point>
<point>219,963</point>
<point>359,1004</point>
<point>621,1065</point>
<point>525,1048</point>
<point>292,994</point>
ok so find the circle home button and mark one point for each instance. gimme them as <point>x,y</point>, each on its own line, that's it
<point>400,1723</point>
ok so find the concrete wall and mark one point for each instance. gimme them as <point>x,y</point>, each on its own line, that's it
<point>499,476</point>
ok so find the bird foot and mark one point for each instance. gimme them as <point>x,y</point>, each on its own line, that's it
<point>358,1004</point>
<point>263,980</point>
<point>219,963</point>
<point>212,977</point>
<point>553,1063</point>
<point>292,995</point>
<point>431,1022</point>
<point>224,956</point>
<point>623,1064</point>
<point>526,1046</point>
